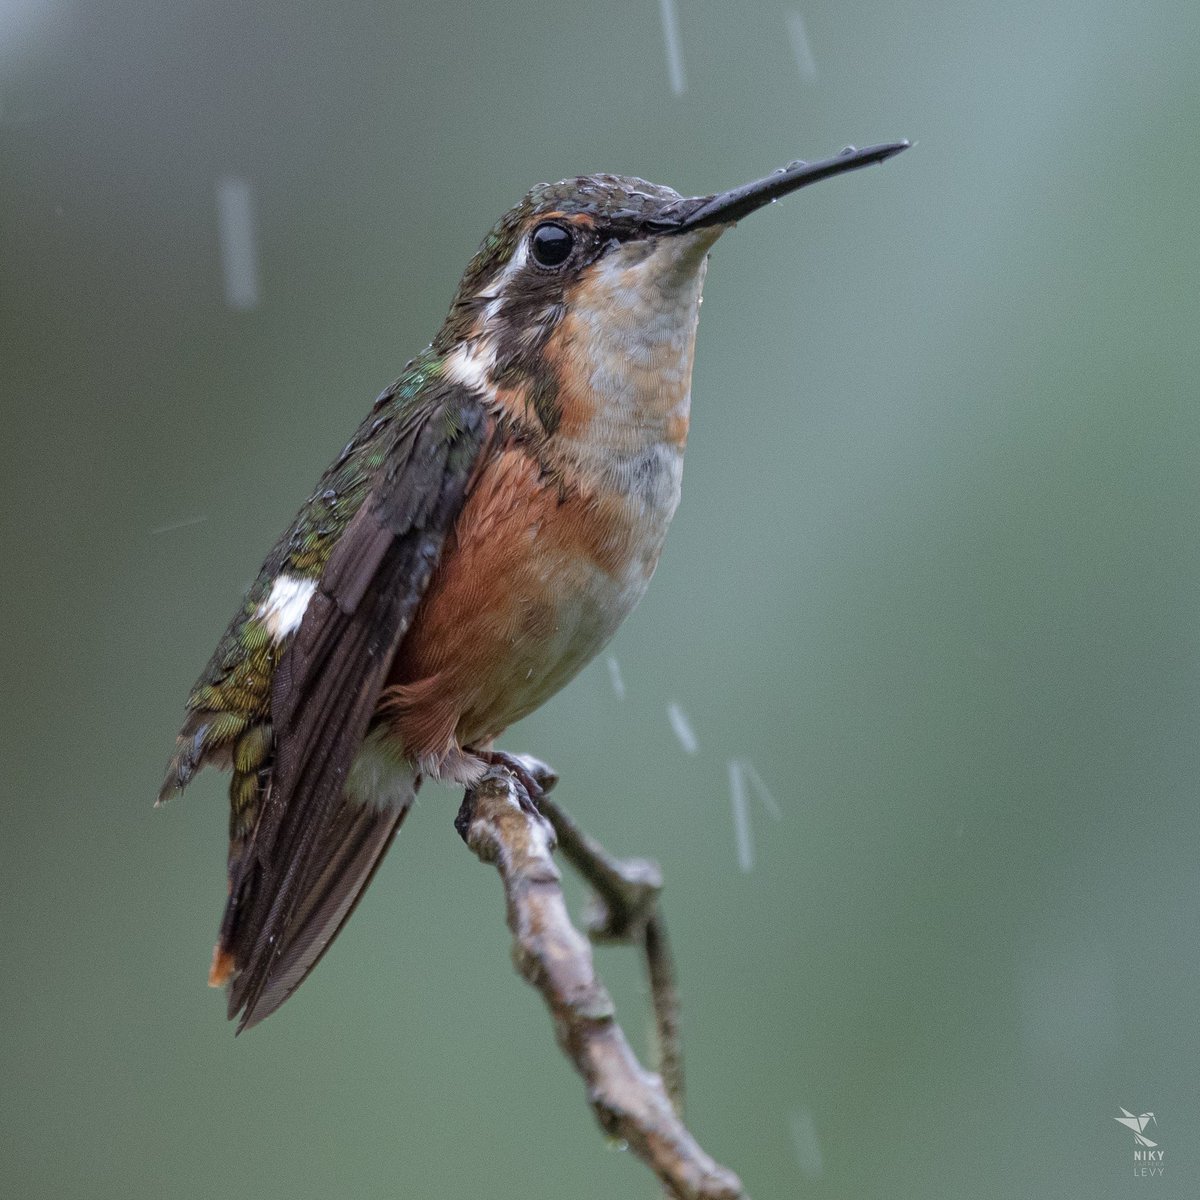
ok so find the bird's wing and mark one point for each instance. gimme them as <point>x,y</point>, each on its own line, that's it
<point>324,691</point>
<point>312,852</point>
<point>290,713</point>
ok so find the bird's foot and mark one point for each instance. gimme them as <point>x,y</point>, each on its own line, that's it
<point>534,777</point>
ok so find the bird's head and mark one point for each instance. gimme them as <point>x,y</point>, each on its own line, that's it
<point>595,278</point>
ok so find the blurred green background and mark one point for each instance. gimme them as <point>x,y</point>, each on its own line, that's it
<point>935,576</point>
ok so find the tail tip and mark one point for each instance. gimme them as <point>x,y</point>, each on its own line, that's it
<point>221,970</point>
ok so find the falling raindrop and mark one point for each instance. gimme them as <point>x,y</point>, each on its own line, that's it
<point>743,835</point>
<point>805,1144</point>
<point>682,727</point>
<point>239,255</point>
<point>174,525</point>
<point>670,22</point>
<point>801,49</point>
<point>614,676</point>
<point>761,790</point>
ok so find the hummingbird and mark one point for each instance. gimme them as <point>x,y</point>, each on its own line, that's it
<point>1138,1125</point>
<point>492,521</point>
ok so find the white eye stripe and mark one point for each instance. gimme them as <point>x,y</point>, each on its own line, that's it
<point>514,265</point>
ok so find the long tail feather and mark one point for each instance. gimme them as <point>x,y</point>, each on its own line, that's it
<point>342,865</point>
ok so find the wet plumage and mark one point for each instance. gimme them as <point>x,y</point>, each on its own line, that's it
<point>492,521</point>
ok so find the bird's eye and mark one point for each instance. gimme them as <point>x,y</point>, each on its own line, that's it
<point>552,244</point>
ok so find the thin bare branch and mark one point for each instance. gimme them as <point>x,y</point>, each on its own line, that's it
<point>630,1102</point>
<point>625,909</point>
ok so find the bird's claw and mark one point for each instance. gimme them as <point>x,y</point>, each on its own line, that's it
<point>532,776</point>
<point>531,791</point>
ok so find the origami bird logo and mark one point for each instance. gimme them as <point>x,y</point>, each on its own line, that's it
<point>1138,1125</point>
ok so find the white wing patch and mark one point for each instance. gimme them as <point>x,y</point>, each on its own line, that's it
<point>283,610</point>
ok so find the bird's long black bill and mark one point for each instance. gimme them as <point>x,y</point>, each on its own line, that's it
<point>726,207</point>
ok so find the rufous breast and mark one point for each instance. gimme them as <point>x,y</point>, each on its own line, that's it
<point>560,535</point>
